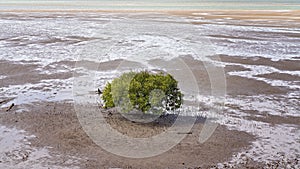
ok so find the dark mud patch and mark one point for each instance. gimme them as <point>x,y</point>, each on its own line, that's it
<point>235,85</point>
<point>18,73</point>
<point>276,119</point>
<point>291,65</point>
<point>56,125</point>
<point>280,76</point>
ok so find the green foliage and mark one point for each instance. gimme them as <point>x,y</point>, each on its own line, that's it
<point>119,91</point>
<point>143,91</point>
<point>107,96</point>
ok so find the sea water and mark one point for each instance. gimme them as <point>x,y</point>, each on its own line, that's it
<point>150,5</point>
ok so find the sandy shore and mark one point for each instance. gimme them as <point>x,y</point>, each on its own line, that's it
<point>293,15</point>
<point>247,15</point>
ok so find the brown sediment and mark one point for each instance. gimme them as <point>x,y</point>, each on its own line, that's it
<point>22,72</point>
<point>280,76</point>
<point>235,68</point>
<point>18,73</point>
<point>255,115</point>
<point>292,65</point>
<point>105,66</point>
<point>235,85</point>
<point>56,125</point>
<point>276,119</point>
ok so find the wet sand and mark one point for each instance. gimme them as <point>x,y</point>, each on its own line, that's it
<point>43,106</point>
<point>55,125</point>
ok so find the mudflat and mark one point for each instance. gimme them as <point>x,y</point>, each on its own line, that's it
<point>260,123</point>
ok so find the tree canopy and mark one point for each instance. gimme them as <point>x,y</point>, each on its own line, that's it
<point>144,91</point>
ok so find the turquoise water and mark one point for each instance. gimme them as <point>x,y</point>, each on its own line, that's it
<point>152,4</point>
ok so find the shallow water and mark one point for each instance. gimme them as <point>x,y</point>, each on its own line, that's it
<point>153,4</point>
<point>16,151</point>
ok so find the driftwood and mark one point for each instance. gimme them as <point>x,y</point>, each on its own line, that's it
<point>4,101</point>
<point>99,92</point>
<point>10,107</point>
<point>185,132</point>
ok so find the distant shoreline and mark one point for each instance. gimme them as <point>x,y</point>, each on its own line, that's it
<point>292,15</point>
<point>236,12</point>
<point>154,10</point>
<point>131,5</point>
